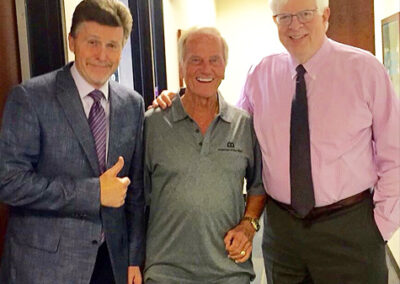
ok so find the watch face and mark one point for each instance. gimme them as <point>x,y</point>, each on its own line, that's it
<point>255,224</point>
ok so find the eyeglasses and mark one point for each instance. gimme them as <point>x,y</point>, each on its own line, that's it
<point>303,17</point>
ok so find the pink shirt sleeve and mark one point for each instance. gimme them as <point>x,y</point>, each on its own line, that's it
<point>244,101</point>
<point>384,104</point>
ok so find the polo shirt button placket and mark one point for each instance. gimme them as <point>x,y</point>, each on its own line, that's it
<point>198,135</point>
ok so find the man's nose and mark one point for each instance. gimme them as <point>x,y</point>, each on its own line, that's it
<point>101,52</point>
<point>295,24</point>
<point>206,67</point>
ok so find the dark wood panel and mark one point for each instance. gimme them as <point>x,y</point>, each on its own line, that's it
<point>159,64</point>
<point>9,59</point>
<point>352,22</point>
<point>9,75</point>
<point>142,60</point>
<point>45,36</point>
<point>3,226</point>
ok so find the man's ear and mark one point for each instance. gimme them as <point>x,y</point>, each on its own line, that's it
<point>325,17</point>
<point>181,69</point>
<point>326,14</point>
<point>274,18</point>
<point>71,42</point>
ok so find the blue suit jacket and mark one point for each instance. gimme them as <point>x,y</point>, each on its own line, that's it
<point>49,177</point>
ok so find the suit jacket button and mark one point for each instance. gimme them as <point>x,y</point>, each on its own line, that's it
<point>95,242</point>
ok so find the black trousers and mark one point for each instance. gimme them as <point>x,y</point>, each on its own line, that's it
<point>344,247</point>
<point>102,272</point>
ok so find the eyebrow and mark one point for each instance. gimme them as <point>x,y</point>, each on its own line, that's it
<point>114,41</point>
<point>98,38</point>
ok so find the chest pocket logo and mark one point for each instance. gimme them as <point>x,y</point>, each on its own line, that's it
<point>230,147</point>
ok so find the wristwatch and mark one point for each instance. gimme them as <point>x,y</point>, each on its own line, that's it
<point>253,221</point>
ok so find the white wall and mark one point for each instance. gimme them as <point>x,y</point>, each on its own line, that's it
<point>251,34</point>
<point>69,7</point>
<point>170,37</point>
<point>248,29</point>
<point>394,245</point>
<point>182,14</point>
<point>383,9</point>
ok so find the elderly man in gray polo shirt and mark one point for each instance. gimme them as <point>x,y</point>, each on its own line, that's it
<point>198,153</point>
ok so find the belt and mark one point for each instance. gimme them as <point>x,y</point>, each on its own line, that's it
<point>317,212</point>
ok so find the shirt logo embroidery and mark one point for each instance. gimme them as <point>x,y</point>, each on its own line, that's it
<point>230,147</point>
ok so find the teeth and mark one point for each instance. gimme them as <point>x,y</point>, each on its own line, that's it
<point>207,80</point>
<point>296,36</point>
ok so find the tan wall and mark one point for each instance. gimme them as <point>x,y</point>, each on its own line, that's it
<point>69,7</point>
<point>182,14</point>
<point>383,9</point>
<point>251,34</point>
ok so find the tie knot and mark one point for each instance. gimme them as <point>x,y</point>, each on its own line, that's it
<point>96,95</point>
<point>300,70</point>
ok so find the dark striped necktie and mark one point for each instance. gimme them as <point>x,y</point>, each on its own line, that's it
<point>97,123</point>
<point>302,189</point>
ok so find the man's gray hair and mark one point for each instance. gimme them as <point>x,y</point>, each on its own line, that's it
<point>200,30</point>
<point>276,4</point>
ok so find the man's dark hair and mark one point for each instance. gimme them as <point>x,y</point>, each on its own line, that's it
<point>105,12</point>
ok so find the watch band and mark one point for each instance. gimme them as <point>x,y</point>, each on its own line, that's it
<point>253,221</point>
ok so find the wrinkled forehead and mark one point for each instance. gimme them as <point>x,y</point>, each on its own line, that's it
<point>203,38</point>
<point>203,42</point>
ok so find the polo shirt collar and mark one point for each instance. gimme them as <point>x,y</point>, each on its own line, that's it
<point>225,112</point>
<point>177,110</point>
<point>179,113</point>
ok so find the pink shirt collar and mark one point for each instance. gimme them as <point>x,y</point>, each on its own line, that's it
<point>313,65</point>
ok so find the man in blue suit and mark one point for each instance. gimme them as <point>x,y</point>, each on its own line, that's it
<point>71,163</point>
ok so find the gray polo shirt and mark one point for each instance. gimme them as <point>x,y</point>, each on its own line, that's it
<point>194,186</point>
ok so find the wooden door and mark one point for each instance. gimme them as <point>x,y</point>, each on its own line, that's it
<point>9,74</point>
<point>352,22</point>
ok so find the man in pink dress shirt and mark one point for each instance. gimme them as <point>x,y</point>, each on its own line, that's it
<point>353,121</point>
<point>354,127</point>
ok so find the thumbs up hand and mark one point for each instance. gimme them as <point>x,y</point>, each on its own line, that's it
<point>112,188</point>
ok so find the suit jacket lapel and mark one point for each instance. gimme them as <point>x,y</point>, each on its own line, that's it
<point>113,140</point>
<point>70,101</point>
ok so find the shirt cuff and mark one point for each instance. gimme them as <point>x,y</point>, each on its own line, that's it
<point>386,227</point>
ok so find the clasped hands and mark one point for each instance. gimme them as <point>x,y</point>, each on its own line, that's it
<point>239,242</point>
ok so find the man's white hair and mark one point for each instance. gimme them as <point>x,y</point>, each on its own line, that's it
<point>276,4</point>
<point>200,30</point>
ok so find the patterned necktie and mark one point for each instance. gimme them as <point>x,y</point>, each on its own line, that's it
<point>302,190</point>
<point>97,123</point>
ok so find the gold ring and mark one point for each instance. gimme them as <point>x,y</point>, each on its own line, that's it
<point>243,252</point>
